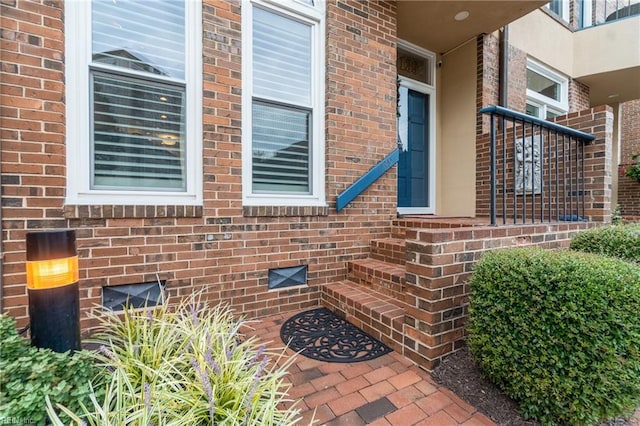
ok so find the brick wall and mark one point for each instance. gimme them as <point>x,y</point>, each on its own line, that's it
<point>220,247</point>
<point>578,96</point>
<point>33,162</point>
<point>488,77</point>
<point>628,189</point>
<point>439,264</point>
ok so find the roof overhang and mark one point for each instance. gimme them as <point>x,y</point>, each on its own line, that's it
<point>432,24</point>
<point>607,59</point>
<point>614,86</point>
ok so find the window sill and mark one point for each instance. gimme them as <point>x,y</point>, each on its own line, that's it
<point>121,212</point>
<point>284,211</point>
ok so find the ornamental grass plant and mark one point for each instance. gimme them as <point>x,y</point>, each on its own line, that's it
<point>187,365</point>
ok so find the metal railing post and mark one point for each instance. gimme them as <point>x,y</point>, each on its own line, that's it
<point>492,158</point>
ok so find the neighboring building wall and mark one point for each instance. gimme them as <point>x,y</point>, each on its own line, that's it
<point>488,81</point>
<point>488,77</point>
<point>629,189</point>
<point>221,248</point>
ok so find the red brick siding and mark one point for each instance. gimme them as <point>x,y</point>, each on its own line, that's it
<point>439,264</point>
<point>629,130</point>
<point>628,189</point>
<point>221,247</point>
<point>488,77</point>
<point>33,133</point>
<point>517,75</point>
<point>578,96</point>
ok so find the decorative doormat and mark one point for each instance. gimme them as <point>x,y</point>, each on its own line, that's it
<point>319,334</point>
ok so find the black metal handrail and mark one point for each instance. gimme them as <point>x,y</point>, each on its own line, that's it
<point>542,168</point>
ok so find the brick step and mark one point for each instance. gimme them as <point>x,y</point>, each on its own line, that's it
<point>377,314</point>
<point>401,225</point>
<point>383,277</point>
<point>390,250</point>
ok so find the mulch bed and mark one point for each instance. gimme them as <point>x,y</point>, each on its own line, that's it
<point>459,373</point>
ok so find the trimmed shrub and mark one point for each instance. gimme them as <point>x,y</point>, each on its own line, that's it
<point>28,375</point>
<point>559,332</point>
<point>184,365</point>
<point>622,241</point>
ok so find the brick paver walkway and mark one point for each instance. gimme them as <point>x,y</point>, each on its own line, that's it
<point>389,390</point>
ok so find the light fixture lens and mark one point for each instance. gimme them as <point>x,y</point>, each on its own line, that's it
<point>462,15</point>
<point>52,273</point>
<point>52,260</point>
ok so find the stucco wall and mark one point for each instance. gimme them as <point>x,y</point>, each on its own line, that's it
<point>456,148</point>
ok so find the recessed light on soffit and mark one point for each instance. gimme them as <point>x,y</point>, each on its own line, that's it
<point>462,15</point>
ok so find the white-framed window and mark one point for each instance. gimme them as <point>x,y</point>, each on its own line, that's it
<point>560,8</point>
<point>134,102</point>
<point>283,103</point>
<point>547,91</point>
<point>585,13</point>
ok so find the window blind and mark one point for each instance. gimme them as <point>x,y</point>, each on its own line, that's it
<point>281,59</point>
<point>138,124</point>
<point>142,35</point>
<point>139,134</point>
<point>280,149</point>
<point>282,99</point>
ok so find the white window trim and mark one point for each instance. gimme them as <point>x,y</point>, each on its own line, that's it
<point>429,56</point>
<point>587,13</point>
<point>544,108</point>
<point>315,16</point>
<point>565,10</point>
<point>78,119</point>
<point>535,98</point>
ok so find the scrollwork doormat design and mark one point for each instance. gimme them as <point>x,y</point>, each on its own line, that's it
<point>319,334</point>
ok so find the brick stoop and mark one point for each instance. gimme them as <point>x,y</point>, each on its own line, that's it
<point>412,292</point>
<point>377,314</point>
<point>382,277</point>
<point>391,250</point>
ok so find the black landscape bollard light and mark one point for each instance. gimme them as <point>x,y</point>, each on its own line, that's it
<point>54,297</point>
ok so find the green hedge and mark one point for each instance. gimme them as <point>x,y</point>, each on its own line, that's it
<point>622,241</point>
<point>559,332</point>
<point>28,375</point>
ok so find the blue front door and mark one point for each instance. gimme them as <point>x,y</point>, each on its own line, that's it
<point>413,167</point>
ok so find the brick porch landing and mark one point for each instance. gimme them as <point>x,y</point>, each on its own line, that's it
<point>389,390</point>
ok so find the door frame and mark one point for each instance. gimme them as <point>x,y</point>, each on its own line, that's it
<point>430,91</point>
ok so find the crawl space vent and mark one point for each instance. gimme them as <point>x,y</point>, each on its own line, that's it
<point>134,295</point>
<point>287,277</point>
